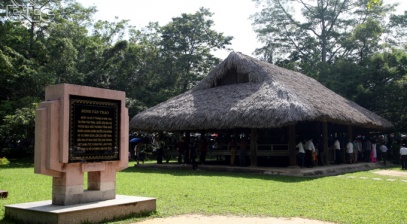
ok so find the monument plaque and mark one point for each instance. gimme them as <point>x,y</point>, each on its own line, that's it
<point>94,134</point>
<point>81,130</point>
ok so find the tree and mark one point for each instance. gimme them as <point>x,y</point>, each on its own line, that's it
<point>143,66</point>
<point>34,54</point>
<point>151,65</point>
<point>364,40</point>
<point>319,35</point>
<point>385,81</point>
<point>186,44</point>
<point>398,26</point>
<point>17,129</point>
<point>19,77</point>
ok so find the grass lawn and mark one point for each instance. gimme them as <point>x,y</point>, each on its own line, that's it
<point>352,198</point>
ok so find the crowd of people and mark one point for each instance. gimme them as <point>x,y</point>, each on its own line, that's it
<point>310,150</point>
<point>308,154</point>
<point>189,153</point>
<point>360,149</point>
<point>194,149</point>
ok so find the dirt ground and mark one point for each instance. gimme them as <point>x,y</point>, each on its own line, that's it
<point>200,219</point>
<point>394,173</point>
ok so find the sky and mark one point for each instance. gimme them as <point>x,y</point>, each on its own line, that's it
<point>230,17</point>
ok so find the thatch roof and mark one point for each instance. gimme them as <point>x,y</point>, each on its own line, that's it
<point>243,92</point>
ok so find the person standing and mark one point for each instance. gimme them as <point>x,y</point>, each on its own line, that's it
<point>232,146</point>
<point>192,154</point>
<point>309,150</point>
<point>203,147</point>
<point>374,152</point>
<point>367,145</point>
<point>337,148</point>
<point>321,150</point>
<point>181,150</point>
<point>215,147</point>
<point>136,153</point>
<point>242,151</point>
<point>403,157</point>
<point>187,158</point>
<point>355,151</point>
<point>359,147</point>
<point>141,154</point>
<point>301,154</point>
<point>159,147</point>
<point>383,153</point>
<point>349,152</point>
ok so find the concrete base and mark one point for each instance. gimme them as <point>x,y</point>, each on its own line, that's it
<point>45,212</point>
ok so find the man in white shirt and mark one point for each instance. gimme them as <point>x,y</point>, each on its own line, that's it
<point>403,157</point>
<point>383,153</point>
<point>301,154</point>
<point>309,148</point>
<point>349,151</point>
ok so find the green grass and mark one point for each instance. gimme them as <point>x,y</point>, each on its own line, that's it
<point>350,198</point>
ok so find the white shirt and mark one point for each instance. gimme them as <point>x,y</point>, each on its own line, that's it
<point>383,148</point>
<point>349,147</point>
<point>300,148</point>
<point>403,151</point>
<point>310,146</point>
<point>337,145</point>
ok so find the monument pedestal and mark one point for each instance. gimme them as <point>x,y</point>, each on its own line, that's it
<point>81,130</point>
<point>44,212</point>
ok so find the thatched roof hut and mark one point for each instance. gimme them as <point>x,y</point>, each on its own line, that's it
<point>243,92</point>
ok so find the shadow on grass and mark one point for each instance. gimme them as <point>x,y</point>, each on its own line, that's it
<point>205,173</point>
<point>187,171</point>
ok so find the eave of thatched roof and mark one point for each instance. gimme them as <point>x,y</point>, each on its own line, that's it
<point>268,96</point>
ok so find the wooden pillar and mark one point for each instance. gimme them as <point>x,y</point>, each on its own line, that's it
<point>325,142</point>
<point>253,147</point>
<point>187,140</point>
<point>291,145</point>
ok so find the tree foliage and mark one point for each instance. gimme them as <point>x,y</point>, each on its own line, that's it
<point>383,87</point>
<point>321,32</point>
<point>373,3</point>
<point>150,64</point>
<point>398,31</point>
<point>186,44</point>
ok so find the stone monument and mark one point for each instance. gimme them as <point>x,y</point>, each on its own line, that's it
<point>79,130</point>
